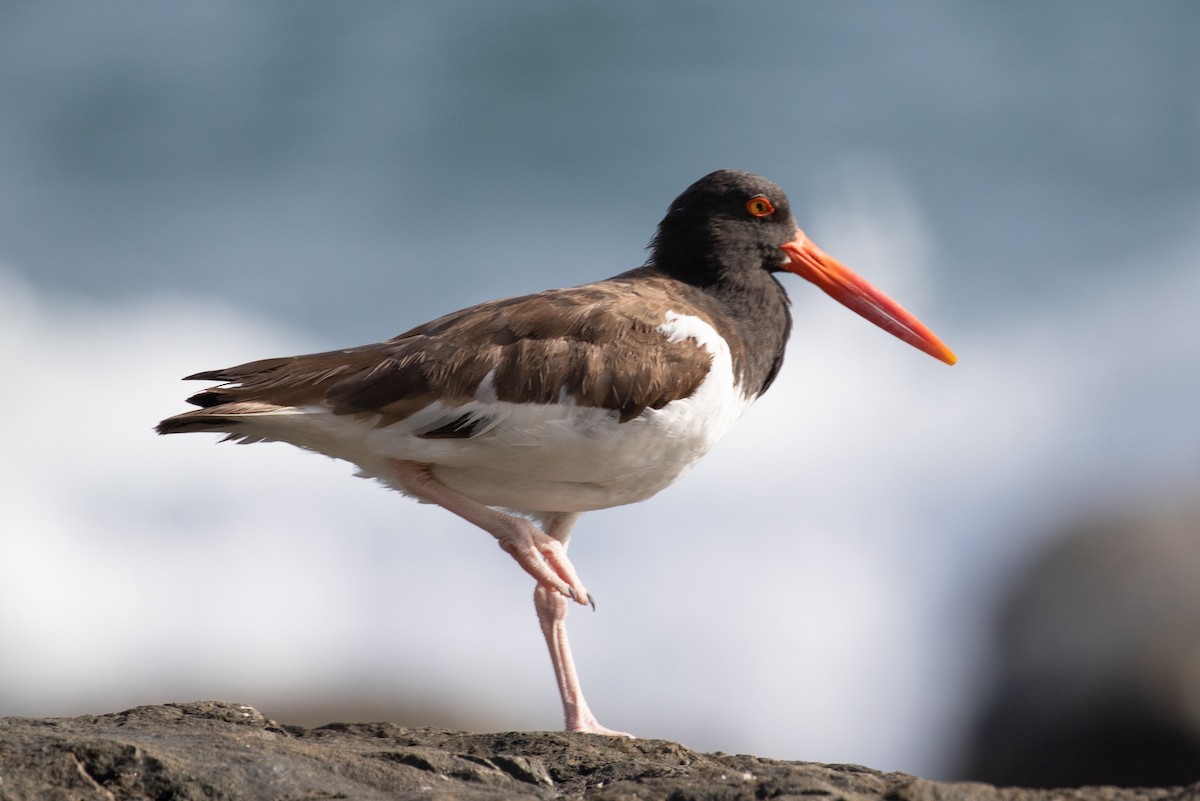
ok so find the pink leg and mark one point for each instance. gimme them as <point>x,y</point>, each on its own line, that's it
<point>552,615</point>
<point>542,556</point>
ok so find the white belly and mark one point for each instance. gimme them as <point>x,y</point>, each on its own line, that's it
<point>591,461</point>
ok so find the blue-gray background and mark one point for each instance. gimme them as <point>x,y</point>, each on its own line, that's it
<point>186,186</point>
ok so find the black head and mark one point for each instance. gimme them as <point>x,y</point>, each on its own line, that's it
<point>728,232</point>
<point>727,224</point>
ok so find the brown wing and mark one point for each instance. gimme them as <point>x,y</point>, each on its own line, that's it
<point>599,344</point>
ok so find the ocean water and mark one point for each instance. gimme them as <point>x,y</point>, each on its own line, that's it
<point>189,186</point>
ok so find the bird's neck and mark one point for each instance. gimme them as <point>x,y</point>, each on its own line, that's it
<point>750,310</point>
<point>758,306</point>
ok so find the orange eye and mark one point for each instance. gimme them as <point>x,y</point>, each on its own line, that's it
<point>760,206</point>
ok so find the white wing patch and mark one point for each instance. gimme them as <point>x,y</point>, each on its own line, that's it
<point>718,402</point>
<point>679,327</point>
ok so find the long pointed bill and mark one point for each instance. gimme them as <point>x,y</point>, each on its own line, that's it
<point>851,290</point>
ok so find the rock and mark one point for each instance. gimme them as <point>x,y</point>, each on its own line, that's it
<point>1097,656</point>
<point>216,750</point>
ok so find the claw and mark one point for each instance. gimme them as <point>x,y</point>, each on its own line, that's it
<point>570,593</point>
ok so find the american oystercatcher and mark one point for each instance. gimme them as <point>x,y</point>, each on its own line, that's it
<point>518,415</point>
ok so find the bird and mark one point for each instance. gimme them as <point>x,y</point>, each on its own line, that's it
<point>518,415</point>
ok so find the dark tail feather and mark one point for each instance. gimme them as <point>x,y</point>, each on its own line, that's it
<point>242,370</point>
<point>236,400</point>
<point>209,398</point>
<point>183,424</point>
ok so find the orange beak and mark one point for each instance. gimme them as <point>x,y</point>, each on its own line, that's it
<point>851,290</point>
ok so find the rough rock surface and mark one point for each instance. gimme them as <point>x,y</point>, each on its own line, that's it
<point>214,750</point>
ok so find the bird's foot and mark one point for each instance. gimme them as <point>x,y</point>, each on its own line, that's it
<point>545,558</point>
<point>543,555</point>
<point>589,725</point>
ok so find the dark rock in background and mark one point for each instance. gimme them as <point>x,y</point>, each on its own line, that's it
<point>1099,659</point>
<point>218,750</point>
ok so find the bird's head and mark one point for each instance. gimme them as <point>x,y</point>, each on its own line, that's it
<point>732,225</point>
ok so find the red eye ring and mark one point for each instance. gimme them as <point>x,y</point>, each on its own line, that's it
<point>760,206</point>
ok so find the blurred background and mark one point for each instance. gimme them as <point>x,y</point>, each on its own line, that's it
<point>985,572</point>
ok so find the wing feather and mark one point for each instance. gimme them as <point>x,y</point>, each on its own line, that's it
<point>599,345</point>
